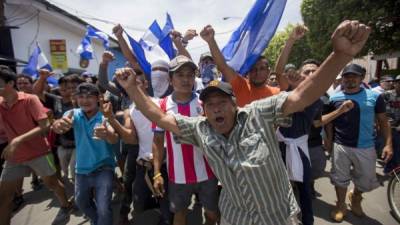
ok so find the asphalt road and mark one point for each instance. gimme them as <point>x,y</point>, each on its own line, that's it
<point>40,208</point>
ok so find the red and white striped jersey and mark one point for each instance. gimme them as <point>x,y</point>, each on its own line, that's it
<point>186,165</point>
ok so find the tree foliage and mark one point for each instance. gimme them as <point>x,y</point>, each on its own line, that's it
<point>300,51</point>
<point>323,16</point>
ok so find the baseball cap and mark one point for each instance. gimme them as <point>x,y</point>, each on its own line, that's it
<point>180,61</point>
<point>205,55</point>
<point>87,74</point>
<point>215,86</point>
<point>87,88</point>
<point>386,78</point>
<point>289,66</point>
<point>353,69</point>
<point>397,78</point>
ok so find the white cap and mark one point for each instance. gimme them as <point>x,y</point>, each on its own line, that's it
<point>160,63</point>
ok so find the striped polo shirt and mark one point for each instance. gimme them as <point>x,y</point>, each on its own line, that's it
<point>256,188</point>
<point>185,164</point>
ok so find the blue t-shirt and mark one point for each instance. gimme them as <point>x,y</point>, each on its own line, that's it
<point>356,127</point>
<point>90,153</point>
<point>302,121</point>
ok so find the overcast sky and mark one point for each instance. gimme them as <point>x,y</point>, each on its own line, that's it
<point>137,15</point>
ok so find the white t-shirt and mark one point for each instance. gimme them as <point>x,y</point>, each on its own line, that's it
<point>144,133</point>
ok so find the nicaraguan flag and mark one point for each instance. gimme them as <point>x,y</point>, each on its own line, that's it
<point>85,49</point>
<point>249,41</point>
<point>36,61</point>
<point>155,44</point>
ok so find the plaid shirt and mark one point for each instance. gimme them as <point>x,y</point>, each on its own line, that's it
<point>392,100</point>
<point>256,188</point>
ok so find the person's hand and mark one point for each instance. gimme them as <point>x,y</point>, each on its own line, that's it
<point>126,77</point>
<point>189,35</point>
<point>346,106</point>
<point>101,131</point>
<point>207,33</point>
<point>107,57</point>
<point>176,36</point>
<point>350,37</point>
<point>298,32</point>
<point>9,150</point>
<point>387,153</point>
<point>118,31</point>
<point>105,108</point>
<point>45,73</point>
<point>64,124</point>
<point>158,185</point>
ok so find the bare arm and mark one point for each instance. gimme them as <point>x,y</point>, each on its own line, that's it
<point>39,85</point>
<point>297,33</point>
<point>386,132</point>
<point>208,35</point>
<point>118,31</point>
<point>327,118</point>
<point>126,131</point>
<point>158,157</point>
<point>348,39</point>
<point>127,78</point>
<point>103,79</point>
<point>41,129</point>
<point>158,151</point>
<point>177,39</point>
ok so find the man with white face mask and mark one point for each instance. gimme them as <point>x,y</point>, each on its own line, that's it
<point>208,69</point>
<point>160,78</point>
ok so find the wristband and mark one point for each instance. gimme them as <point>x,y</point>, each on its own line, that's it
<point>156,176</point>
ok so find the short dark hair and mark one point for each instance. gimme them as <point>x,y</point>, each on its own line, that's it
<point>72,78</point>
<point>6,74</point>
<point>310,61</point>
<point>29,78</point>
<point>263,57</point>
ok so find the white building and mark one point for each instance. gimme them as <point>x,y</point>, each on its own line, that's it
<point>40,21</point>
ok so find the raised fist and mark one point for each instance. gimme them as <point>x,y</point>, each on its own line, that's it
<point>207,33</point>
<point>107,57</point>
<point>118,30</point>
<point>298,32</point>
<point>350,37</point>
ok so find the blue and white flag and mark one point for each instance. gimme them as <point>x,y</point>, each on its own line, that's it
<point>85,49</point>
<point>249,41</point>
<point>156,44</point>
<point>36,61</point>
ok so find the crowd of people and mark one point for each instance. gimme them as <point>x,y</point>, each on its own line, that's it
<point>247,146</point>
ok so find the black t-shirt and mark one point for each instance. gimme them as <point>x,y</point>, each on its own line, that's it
<point>302,121</point>
<point>315,137</point>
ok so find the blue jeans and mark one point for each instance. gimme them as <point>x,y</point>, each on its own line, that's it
<point>93,194</point>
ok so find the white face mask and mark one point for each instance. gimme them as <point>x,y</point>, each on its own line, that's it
<point>159,82</point>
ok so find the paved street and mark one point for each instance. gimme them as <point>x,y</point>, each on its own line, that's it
<point>40,208</point>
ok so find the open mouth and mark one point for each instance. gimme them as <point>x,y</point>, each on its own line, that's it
<point>220,119</point>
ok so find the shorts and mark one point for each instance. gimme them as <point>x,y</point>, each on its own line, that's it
<point>354,164</point>
<point>180,195</point>
<point>43,166</point>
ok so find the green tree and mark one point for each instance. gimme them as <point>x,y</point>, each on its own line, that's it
<point>323,16</point>
<point>300,51</point>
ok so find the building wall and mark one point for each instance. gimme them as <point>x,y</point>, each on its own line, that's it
<point>47,25</point>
